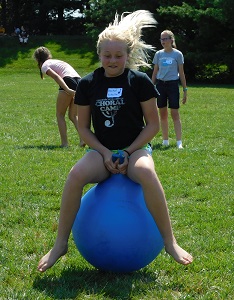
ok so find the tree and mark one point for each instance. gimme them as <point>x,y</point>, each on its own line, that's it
<point>3,13</point>
<point>46,16</point>
<point>102,12</point>
<point>204,29</point>
<point>205,33</point>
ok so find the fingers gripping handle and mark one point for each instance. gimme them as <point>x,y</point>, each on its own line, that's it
<point>119,155</point>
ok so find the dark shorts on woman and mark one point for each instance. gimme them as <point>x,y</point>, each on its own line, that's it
<point>169,94</point>
<point>71,82</point>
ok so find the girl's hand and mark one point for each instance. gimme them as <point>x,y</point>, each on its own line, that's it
<point>71,92</point>
<point>124,166</point>
<point>109,164</point>
<point>184,97</point>
<point>115,167</point>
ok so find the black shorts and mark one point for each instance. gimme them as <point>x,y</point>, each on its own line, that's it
<point>169,94</point>
<point>71,82</point>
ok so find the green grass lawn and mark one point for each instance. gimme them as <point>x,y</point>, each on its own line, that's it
<point>198,183</point>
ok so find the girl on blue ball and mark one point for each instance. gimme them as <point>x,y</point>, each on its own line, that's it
<point>120,104</point>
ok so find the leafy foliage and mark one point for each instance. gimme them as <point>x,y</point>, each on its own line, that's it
<point>204,29</point>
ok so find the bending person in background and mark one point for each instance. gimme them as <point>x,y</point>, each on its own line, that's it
<point>168,69</point>
<point>120,104</point>
<point>67,79</point>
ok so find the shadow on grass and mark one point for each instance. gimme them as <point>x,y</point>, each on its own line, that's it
<point>161,147</point>
<point>10,47</point>
<point>41,147</point>
<point>74,283</point>
<point>53,147</point>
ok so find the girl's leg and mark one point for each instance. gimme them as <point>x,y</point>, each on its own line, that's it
<point>141,170</point>
<point>164,122</point>
<point>63,102</point>
<point>89,169</point>
<point>177,123</point>
<point>73,116</point>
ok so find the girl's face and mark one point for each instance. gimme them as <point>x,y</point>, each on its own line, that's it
<point>113,56</point>
<point>166,40</point>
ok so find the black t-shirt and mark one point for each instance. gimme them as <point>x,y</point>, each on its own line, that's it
<point>117,116</point>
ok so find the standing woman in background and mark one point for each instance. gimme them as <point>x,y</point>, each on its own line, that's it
<point>67,79</point>
<point>168,69</point>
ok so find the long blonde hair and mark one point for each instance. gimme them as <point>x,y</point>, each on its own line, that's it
<point>129,30</point>
<point>41,54</point>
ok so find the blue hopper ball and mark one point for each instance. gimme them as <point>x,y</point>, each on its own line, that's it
<point>113,229</point>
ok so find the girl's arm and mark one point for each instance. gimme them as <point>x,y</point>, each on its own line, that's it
<point>155,71</point>
<point>183,83</point>
<point>60,82</point>
<point>84,125</point>
<point>150,112</point>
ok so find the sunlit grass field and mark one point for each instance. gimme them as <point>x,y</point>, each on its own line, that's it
<point>198,183</point>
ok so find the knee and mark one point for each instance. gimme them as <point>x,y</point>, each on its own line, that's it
<point>60,115</point>
<point>77,176</point>
<point>73,174</point>
<point>144,175</point>
<point>175,115</point>
<point>163,115</point>
<point>163,118</point>
<point>73,118</point>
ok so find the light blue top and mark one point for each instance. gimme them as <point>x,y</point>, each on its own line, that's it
<point>168,63</point>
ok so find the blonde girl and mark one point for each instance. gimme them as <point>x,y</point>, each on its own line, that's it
<point>119,101</point>
<point>168,69</point>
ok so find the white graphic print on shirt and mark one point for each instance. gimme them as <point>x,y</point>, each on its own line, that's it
<point>110,106</point>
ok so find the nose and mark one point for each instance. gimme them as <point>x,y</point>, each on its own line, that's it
<point>112,59</point>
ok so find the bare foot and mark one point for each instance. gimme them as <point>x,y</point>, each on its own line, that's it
<point>50,258</point>
<point>179,254</point>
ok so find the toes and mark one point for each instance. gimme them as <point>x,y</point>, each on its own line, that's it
<point>187,260</point>
<point>42,266</point>
<point>40,269</point>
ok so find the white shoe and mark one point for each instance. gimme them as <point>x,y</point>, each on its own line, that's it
<point>165,143</point>
<point>179,145</point>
